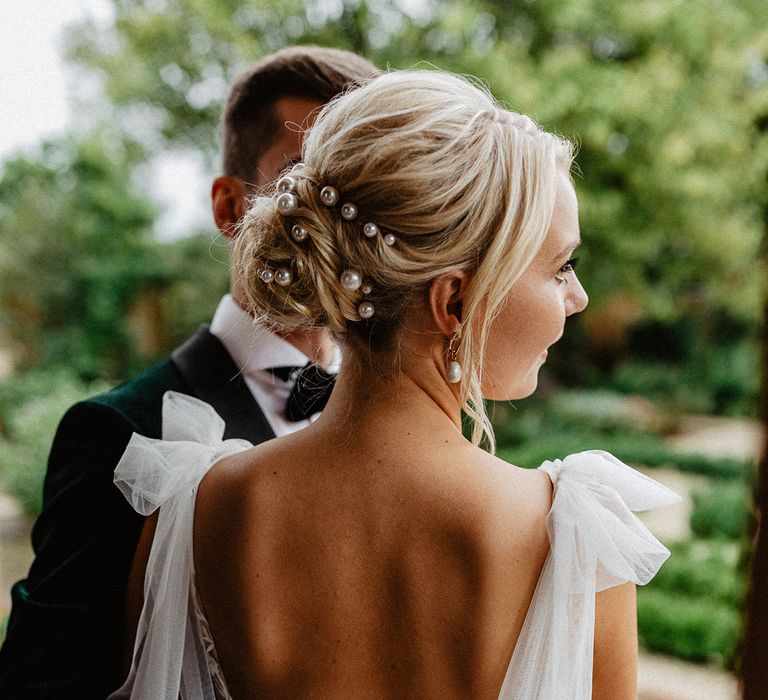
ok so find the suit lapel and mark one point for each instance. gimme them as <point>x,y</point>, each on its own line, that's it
<point>213,377</point>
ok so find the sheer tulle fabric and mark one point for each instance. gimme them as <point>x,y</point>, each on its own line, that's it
<point>596,543</point>
<point>173,655</point>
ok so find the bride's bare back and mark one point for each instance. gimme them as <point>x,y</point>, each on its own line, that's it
<point>368,569</point>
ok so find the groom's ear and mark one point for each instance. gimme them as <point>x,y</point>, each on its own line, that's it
<point>445,297</point>
<point>228,201</point>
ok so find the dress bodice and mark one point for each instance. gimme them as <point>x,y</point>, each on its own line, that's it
<point>596,542</point>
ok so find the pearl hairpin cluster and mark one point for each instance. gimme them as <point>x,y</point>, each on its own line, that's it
<point>352,280</point>
<point>287,204</point>
<point>330,197</point>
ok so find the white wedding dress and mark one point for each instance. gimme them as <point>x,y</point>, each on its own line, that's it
<point>595,543</point>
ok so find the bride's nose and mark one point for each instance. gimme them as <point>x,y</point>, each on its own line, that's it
<point>576,299</point>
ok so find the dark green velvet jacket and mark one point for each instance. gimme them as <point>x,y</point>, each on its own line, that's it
<point>66,628</point>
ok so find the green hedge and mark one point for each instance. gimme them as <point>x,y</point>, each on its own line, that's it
<point>722,510</point>
<point>692,607</point>
<point>639,448</point>
<point>686,627</point>
<point>702,569</point>
<point>548,427</point>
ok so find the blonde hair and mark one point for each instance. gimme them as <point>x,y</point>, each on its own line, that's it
<point>433,159</point>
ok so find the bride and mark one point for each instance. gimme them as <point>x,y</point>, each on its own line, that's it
<point>379,553</point>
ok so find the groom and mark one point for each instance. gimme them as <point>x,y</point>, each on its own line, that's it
<point>66,630</point>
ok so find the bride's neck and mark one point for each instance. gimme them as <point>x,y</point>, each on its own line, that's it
<point>413,392</point>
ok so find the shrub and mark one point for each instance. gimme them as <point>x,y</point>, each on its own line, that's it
<point>660,380</point>
<point>633,448</point>
<point>605,411</point>
<point>692,608</point>
<point>722,510</point>
<point>544,428</point>
<point>693,629</point>
<point>18,389</point>
<point>702,569</point>
<point>706,377</point>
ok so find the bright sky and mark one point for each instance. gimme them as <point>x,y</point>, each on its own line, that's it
<point>32,79</point>
<point>34,101</point>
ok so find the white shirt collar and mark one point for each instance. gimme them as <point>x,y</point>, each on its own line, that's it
<point>251,345</point>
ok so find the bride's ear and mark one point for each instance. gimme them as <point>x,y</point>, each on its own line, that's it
<point>445,297</point>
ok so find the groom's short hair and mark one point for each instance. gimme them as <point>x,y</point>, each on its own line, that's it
<point>249,122</point>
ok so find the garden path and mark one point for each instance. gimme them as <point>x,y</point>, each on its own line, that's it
<point>715,436</point>
<point>664,678</point>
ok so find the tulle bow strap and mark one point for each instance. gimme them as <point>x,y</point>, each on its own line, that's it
<point>591,524</point>
<point>155,473</point>
<point>152,471</point>
<point>596,542</point>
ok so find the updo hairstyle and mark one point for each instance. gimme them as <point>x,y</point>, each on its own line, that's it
<point>432,160</point>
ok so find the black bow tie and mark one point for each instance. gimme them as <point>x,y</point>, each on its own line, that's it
<point>311,390</point>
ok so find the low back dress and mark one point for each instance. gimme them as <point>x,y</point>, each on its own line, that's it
<point>596,542</point>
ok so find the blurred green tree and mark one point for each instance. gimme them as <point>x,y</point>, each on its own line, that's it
<point>661,96</point>
<point>666,101</point>
<point>199,266</point>
<point>75,248</point>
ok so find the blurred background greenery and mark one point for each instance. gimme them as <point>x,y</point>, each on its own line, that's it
<point>668,101</point>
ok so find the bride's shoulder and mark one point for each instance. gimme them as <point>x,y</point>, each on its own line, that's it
<point>238,488</point>
<point>514,502</point>
<point>229,482</point>
<point>529,485</point>
<point>225,505</point>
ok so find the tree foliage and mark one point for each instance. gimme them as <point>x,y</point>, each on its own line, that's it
<point>667,100</point>
<point>75,246</point>
<point>662,98</point>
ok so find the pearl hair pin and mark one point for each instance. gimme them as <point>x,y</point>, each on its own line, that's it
<point>351,280</point>
<point>286,184</point>
<point>283,277</point>
<point>348,211</point>
<point>287,203</point>
<point>370,230</point>
<point>366,310</point>
<point>299,233</point>
<point>329,196</point>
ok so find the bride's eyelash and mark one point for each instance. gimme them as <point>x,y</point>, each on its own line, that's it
<point>569,266</point>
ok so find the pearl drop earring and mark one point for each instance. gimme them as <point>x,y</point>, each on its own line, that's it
<point>453,373</point>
